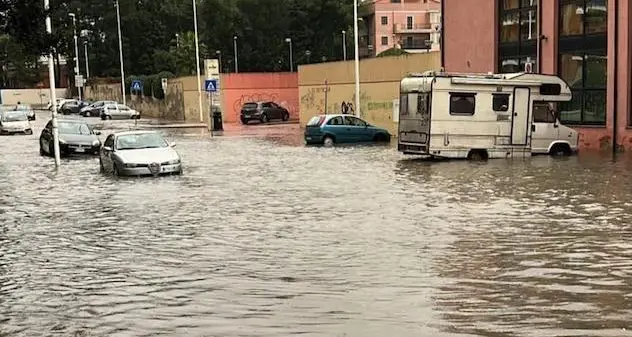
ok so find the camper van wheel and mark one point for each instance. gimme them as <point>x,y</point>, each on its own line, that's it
<point>560,150</point>
<point>477,155</point>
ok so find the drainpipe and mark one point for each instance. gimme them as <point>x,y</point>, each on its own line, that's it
<point>615,78</point>
<point>442,35</point>
<point>539,37</point>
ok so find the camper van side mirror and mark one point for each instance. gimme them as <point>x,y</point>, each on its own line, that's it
<point>504,107</point>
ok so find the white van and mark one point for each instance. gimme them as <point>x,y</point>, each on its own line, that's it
<point>483,116</point>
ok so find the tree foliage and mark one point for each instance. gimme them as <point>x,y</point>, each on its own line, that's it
<point>149,31</point>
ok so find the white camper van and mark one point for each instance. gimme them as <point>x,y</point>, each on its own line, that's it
<point>483,116</point>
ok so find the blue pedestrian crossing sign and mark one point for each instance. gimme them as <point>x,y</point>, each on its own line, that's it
<point>210,85</point>
<point>137,85</point>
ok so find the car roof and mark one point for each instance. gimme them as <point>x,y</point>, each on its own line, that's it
<point>68,121</point>
<point>136,132</point>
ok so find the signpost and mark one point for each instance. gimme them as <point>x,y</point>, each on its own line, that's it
<point>137,85</point>
<point>164,85</point>
<point>211,87</point>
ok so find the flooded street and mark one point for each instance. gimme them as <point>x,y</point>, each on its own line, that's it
<point>262,236</point>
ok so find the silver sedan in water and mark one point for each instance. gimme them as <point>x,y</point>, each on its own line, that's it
<point>138,153</point>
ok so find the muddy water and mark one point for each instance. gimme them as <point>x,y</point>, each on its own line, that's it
<point>264,237</point>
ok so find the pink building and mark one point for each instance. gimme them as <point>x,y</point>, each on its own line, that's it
<point>412,25</point>
<point>586,42</point>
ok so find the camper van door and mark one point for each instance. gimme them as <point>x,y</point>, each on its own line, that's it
<point>520,121</point>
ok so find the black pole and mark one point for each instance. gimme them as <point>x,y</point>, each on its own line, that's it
<point>616,78</point>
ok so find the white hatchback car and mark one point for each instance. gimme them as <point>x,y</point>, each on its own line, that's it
<point>118,111</point>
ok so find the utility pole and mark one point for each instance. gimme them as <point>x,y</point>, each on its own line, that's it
<point>77,70</point>
<point>51,80</point>
<point>120,41</point>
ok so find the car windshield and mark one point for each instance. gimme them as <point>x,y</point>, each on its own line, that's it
<point>14,116</point>
<point>140,141</point>
<point>23,107</point>
<point>314,121</point>
<point>74,129</point>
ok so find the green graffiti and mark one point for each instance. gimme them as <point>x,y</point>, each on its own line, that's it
<point>380,106</point>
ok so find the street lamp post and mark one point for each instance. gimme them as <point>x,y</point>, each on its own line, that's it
<point>308,53</point>
<point>177,41</point>
<point>197,59</point>
<point>235,45</point>
<point>289,41</point>
<point>219,58</point>
<point>85,51</point>
<point>357,57</point>
<point>120,41</point>
<point>51,81</point>
<point>344,45</point>
<point>74,25</point>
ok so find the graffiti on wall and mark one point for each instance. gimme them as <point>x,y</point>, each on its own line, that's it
<point>290,104</point>
<point>314,99</point>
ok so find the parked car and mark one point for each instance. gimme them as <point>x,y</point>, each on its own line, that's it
<point>59,103</point>
<point>263,112</point>
<point>94,109</point>
<point>331,129</point>
<point>138,153</point>
<point>75,137</point>
<point>118,111</point>
<point>30,113</point>
<point>73,106</point>
<point>14,122</point>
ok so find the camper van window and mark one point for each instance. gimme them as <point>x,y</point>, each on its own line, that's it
<point>500,102</point>
<point>403,105</point>
<point>550,89</point>
<point>544,112</point>
<point>423,101</point>
<point>412,103</point>
<point>462,104</point>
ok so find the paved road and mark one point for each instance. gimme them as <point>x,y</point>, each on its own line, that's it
<point>264,237</point>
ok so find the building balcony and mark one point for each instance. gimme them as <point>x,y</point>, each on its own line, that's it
<point>417,45</point>
<point>422,28</point>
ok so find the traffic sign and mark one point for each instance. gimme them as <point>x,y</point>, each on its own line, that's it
<point>210,85</point>
<point>79,81</point>
<point>137,85</point>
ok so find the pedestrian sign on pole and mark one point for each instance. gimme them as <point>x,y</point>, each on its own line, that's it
<point>210,85</point>
<point>137,85</point>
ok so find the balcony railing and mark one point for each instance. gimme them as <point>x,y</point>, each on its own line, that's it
<point>416,28</point>
<point>417,44</point>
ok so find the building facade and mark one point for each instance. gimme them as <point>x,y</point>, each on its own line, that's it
<point>586,42</point>
<point>412,25</point>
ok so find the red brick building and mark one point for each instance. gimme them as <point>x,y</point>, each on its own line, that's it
<point>586,42</point>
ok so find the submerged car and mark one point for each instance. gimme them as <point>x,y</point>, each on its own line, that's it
<point>331,129</point>
<point>75,137</point>
<point>14,122</point>
<point>138,153</point>
<point>262,112</point>
<point>94,109</point>
<point>30,113</point>
<point>118,111</point>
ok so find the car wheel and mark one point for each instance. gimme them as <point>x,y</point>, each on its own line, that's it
<point>115,171</point>
<point>51,149</point>
<point>329,141</point>
<point>286,117</point>
<point>244,121</point>
<point>109,117</point>
<point>264,118</point>
<point>42,152</point>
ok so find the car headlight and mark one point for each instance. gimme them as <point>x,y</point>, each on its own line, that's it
<point>173,162</point>
<point>96,143</point>
<point>61,141</point>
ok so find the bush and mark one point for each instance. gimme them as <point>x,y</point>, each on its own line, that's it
<point>392,52</point>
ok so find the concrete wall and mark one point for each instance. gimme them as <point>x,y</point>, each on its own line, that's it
<point>181,99</point>
<point>379,86</point>
<point>237,89</point>
<point>35,97</point>
<point>470,30</point>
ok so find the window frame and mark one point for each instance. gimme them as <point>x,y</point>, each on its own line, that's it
<point>384,20</point>
<point>503,95</point>
<point>384,40</point>
<point>583,45</point>
<point>462,95</point>
<point>522,49</point>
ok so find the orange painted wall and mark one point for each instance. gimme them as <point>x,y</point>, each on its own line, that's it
<point>237,89</point>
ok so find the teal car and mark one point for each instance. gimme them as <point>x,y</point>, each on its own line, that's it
<point>344,129</point>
